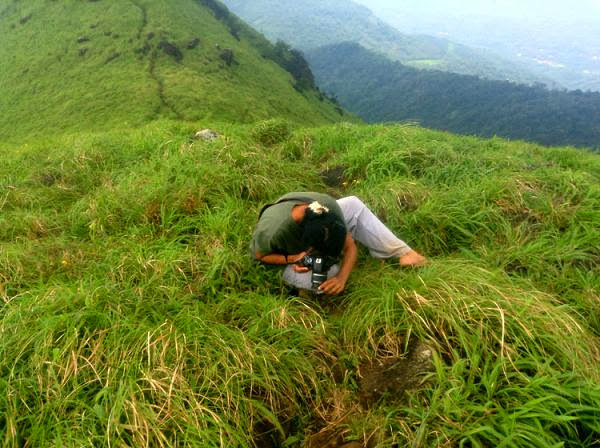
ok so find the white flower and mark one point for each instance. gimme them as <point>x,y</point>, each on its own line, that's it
<point>317,208</point>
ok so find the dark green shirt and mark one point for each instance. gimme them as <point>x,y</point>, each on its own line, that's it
<point>277,233</point>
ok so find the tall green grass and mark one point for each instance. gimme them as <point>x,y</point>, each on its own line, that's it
<point>132,314</point>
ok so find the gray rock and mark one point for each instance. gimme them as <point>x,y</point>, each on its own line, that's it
<point>207,135</point>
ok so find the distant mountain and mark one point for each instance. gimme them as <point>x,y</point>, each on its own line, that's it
<point>555,40</point>
<point>72,65</point>
<point>313,23</point>
<point>380,90</point>
<point>500,9</point>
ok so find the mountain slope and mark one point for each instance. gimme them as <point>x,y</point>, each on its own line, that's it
<point>132,315</point>
<point>313,23</point>
<point>380,90</point>
<point>72,65</point>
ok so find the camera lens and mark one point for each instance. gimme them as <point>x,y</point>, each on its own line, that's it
<point>317,280</point>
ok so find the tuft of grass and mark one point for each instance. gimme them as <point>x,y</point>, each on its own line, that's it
<point>271,132</point>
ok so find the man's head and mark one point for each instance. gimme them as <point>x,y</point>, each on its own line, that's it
<point>323,230</point>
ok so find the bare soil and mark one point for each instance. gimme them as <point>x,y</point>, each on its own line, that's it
<point>388,378</point>
<point>392,377</point>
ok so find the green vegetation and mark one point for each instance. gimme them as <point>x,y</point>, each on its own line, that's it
<point>380,90</point>
<point>310,24</point>
<point>76,66</point>
<point>133,316</point>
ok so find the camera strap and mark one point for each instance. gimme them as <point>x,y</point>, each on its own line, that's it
<point>302,199</point>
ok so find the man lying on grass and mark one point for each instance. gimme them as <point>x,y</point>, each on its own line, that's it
<point>307,223</point>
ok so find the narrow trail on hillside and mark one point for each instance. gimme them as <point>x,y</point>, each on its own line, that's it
<point>144,19</point>
<point>153,52</point>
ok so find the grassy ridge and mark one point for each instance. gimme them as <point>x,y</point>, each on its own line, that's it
<point>132,314</point>
<point>75,66</point>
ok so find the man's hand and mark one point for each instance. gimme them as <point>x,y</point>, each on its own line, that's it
<point>333,286</point>
<point>293,259</point>
<point>296,258</point>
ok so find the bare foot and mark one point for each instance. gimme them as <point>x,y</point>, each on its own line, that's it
<point>412,259</point>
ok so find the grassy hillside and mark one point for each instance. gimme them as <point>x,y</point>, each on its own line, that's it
<point>133,316</point>
<point>71,65</point>
<point>380,90</point>
<point>314,23</point>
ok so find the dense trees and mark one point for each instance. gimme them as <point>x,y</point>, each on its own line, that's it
<point>381,90</point>
<point>294,62</point>
<point>282,54</point>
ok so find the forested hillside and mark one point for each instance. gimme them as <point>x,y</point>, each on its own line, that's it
<point>72,65</point>
<point>313,23</point>
<point>380,90</point>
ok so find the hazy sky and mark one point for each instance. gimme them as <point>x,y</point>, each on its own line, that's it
<point>559,9</point>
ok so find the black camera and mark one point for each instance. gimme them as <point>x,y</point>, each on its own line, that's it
<point>318,266</point>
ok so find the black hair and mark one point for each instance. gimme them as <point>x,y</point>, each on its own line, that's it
<point>324,232</point>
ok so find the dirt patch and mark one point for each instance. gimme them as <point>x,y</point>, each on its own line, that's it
<point>152,213</point>
<point>267,435</point>
<point>392,377</point>
<point>332,438</point>
<point>227,56</point>
<point>335,437</point>
<point>112,57</point>
<point>171,49</point>
<point>25,19</point>
<point>49,179</point>
<point>143,50</point>
<point>334,177</point>
<point>388,378</point>
<point>409,201</point>
<point>193,43</point>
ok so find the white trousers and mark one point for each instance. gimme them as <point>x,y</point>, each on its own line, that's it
<point>365,228</point>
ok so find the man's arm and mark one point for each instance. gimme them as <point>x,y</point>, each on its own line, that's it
<point>280,258</point>
<point>335,285</point>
